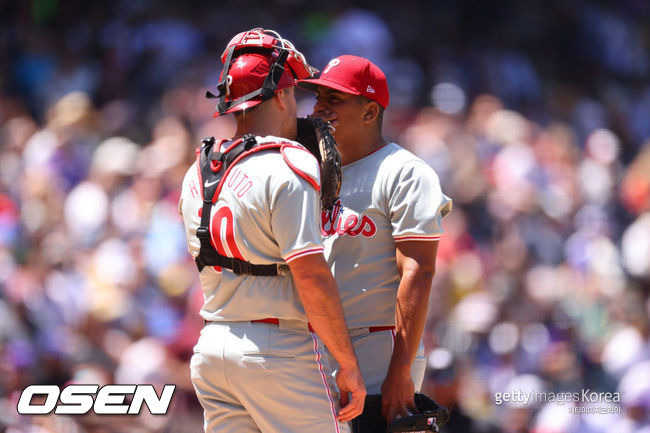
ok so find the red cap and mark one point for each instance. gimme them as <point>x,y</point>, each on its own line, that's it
<point>354,75</point>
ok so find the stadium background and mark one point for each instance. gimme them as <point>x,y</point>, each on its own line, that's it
<point>536,115</point>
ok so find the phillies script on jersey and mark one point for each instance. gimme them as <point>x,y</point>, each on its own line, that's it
<point>341,220</point>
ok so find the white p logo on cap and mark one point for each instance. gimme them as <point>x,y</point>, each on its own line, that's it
<point>331,64</point>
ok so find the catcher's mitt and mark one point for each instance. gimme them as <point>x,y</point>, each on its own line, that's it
<point>431,417</point>
<point>316,136</point>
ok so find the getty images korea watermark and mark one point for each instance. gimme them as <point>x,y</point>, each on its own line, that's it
<point>585,401</point>
<point>79,399</point>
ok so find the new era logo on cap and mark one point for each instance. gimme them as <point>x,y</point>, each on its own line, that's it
<point>354,75</point>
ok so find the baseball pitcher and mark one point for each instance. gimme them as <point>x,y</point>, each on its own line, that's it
<point>382,237</point>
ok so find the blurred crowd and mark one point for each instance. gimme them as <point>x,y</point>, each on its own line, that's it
<point>535,115</point>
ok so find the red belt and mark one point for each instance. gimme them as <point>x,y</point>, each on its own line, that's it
<point>274,321</point>
<point>380,328</point>
<point>270,321</point>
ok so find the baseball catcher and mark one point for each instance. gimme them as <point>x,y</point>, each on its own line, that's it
<point>316,136</point>
<point>251,208</point>
<point>430,417</point>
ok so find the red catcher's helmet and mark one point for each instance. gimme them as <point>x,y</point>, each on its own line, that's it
<point>257,63</point>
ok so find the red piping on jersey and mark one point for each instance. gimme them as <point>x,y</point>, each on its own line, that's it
<point>300,173</point>
<point>327,388</point>
<point>305,252</point>
<point>417,238</point>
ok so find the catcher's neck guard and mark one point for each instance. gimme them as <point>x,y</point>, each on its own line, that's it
<point>255,41</point>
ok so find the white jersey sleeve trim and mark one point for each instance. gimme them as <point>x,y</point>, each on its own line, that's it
<point>303,252</point>
<point>417,238</point>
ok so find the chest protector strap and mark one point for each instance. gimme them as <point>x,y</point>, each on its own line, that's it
<point>213,166</point>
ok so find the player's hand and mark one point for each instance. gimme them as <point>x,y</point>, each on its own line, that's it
<point>397,393</point>
<point>328,116</point>
<point>352,393</point>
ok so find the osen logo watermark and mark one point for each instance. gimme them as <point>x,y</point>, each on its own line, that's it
<point>79,399</point>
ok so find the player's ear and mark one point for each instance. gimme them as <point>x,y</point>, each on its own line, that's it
<point>279,99</point>
<point>371,112</point>
<point>282,97</point>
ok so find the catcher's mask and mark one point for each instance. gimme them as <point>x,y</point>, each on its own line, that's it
<point>256,64</point>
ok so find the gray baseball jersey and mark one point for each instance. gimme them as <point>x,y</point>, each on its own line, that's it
<point>386,197</point>
<point>249,375</point>
<point>265,214</point>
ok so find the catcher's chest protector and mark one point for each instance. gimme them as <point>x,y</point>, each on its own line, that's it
<point>213,168</point>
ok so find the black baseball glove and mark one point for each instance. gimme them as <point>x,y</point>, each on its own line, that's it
<point>430,417</point>
<point>316,135</point>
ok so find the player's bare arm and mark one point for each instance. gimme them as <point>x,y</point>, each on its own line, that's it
<point>416,265</point>
<point>320,297</point>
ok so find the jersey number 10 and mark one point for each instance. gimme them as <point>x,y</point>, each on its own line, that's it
<point>222,234</point>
